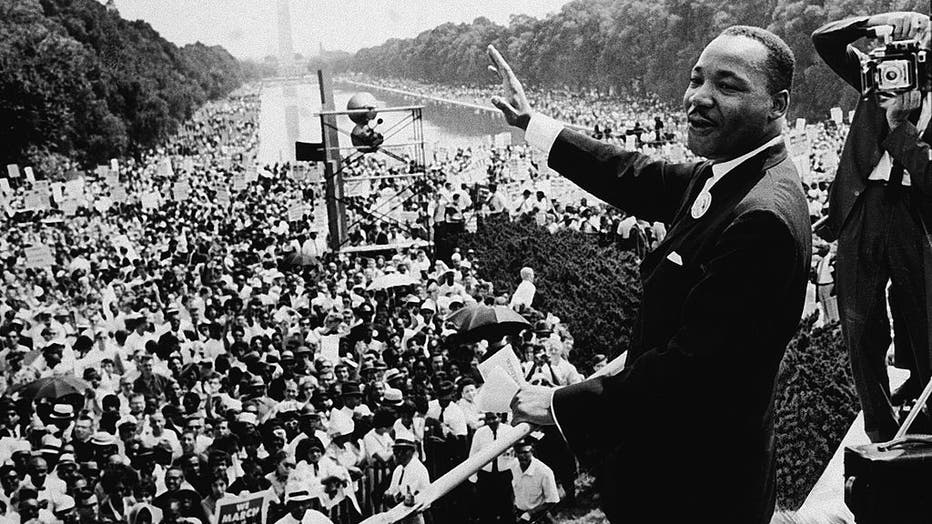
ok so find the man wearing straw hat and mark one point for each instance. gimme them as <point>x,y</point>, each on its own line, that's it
<point>298,501</point>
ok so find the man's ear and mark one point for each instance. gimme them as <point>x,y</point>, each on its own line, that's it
<point>780,102</point>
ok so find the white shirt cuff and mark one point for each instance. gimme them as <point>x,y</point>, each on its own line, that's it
<point>553,413</point>
<point>542,132</point>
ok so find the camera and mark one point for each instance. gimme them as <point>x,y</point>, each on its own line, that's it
<point>896,67</point>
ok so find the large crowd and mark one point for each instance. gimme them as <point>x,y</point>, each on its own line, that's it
<point>176,333</point>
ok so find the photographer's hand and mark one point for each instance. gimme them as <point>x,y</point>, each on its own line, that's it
<point>906,25</point>
<point>899,106</point>
<point>514,105</point>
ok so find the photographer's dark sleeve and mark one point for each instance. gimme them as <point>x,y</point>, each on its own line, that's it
<point>648,188</point>
<point>833,43</point>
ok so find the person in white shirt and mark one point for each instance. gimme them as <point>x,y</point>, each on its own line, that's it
<point>493,481</point>
<point>446,413</point>
<point>467,403</point>
<point>410,476</point>
<point>524,295</point>
<point>377,443</point>
<point>534,485</point>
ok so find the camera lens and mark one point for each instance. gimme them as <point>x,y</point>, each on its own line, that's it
<point>892,75</point>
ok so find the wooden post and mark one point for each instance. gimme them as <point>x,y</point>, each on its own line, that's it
<point>333,170</point>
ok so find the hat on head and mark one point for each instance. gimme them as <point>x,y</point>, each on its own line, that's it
<point>51,445</point>
<point>102,438</point>
<point>62,412</point>
<point>126,420</point>
<point>404,441</point>
<point>248,418</point>
<point>67,458</point>
<point>257,382</point>
<point>392,374</point>
<point>393,397</point>
<point>298,494</point>
<point>287,356</point>
<point>87,499</point>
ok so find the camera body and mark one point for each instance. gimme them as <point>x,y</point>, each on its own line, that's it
<point>896,67</point>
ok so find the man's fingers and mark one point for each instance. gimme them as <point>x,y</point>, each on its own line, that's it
<point>506,108</point>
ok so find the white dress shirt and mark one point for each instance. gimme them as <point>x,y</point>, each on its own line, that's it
<point>413,476</point>
<point>484,438</point>
<point>454,420</point>
<point>534,486</point>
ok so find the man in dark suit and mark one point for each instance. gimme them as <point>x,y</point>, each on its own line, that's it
<point>685,432</point>
<point>878,212</point>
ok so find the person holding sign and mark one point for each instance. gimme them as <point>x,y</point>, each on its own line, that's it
<point>692,432</point>
<point>879,213</point>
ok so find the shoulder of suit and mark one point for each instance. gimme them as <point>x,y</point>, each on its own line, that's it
<point>779,191</point>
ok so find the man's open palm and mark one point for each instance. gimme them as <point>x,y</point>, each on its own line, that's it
<point>513,102</point>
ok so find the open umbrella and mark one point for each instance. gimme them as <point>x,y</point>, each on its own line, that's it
<point>53,387</point>
<point>479,321</point>
<point>393,280</point>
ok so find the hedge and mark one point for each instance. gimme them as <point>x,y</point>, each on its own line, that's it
<point>594,287</point>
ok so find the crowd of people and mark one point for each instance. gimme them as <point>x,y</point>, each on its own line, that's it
<point>176,338</point>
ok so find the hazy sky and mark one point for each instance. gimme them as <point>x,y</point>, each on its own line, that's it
<point>249,28</point>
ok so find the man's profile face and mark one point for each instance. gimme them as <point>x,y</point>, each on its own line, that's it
<point>727,101</point>
<point>38,469</point>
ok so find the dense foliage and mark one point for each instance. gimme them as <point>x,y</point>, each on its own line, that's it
<point>633,45</point>
<point>595,288</point>
<point>80,81</point>
<point>816,404</point>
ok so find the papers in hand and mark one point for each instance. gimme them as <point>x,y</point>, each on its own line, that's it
<point>503,378</point>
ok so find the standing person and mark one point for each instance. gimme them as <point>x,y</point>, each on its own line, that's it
<point>879,213</point>
<point>524,294</point>
<point>534,486</point>
<point>723,294</point>
<point>493,481</point>
<point>409,477</point>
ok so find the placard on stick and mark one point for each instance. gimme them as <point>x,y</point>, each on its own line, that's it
<point>38,256</point>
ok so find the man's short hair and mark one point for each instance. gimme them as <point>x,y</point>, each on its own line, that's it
<point>780,60</point>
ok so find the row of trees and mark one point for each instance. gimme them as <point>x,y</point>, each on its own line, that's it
<point>80,81</point>
<point>637,46</point>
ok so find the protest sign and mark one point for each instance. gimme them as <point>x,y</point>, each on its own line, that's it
<point>354,187</point>
<point>239,181</point>
<point>150,200</point>
<point>102,171</point>
<point>251,174</point>
<point>114,165</point>
<point>38,256</point>
<point>296,211</point>
<point>222,196</point>
<point>800,124</point>
<point>837,115</point>
<point>313,172</point>
<point>12,170</point>
<point>630,142</point>
<point>30,175</point>
<point>245,510</point>
<point>5,186</point>
<point>181,191</point>
<point>799,151</point>
<point>118,193</point>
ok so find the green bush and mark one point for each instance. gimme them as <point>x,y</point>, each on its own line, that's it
<point>816,403</point>
<point>594,288</point>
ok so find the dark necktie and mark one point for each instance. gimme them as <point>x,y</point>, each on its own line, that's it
<point>402,476</point>
<point>495,460</point>
<point>440,419</point>
<point>896,171</point>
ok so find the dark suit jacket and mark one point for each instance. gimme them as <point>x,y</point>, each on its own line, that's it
<point>685,432</point>
<point>869,135</point>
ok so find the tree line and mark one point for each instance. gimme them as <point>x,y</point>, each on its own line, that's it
<point>631,46</point>
<point>81,82</point>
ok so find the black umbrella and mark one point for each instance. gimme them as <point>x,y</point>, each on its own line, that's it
<point>479,321</point>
